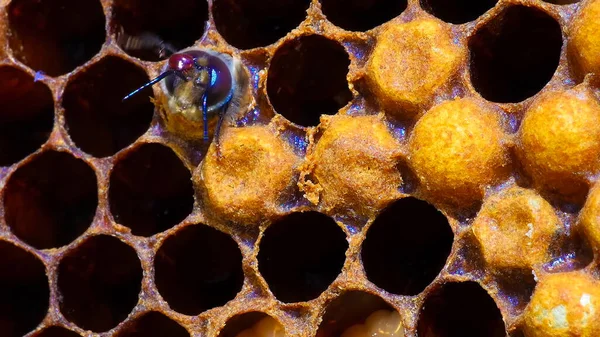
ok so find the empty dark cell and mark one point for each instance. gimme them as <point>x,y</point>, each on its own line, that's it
<point>150,190</point>
<point>98,120</point>
<point>150,26</point>
<point>197,269</point>
<point>457,11</point>
<point>361,15</point>
<point>153,324</point>
<point>515,54</point>
<point>352,307</point>
<point>55,36</point>
<point>25,291</point>
<point>249,24</point>
<point>99,282</point>
<point>460,310</point>
<point>407,246</point>
<point>307,78</point>
<point>239,323</point>
<point>26,115</point>
<point>51,200</point>
<point>55,331</point>
<point>301,254</point>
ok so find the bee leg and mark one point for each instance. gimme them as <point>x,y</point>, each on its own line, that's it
<point>205,104</point>
<point>205,115</point>
<point>217,136</point>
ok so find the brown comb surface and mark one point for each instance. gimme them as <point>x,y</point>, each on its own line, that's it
<point>431,157</point>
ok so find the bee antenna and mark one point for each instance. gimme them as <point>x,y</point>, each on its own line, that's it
<point>157,79</point>
<point>205,104</point>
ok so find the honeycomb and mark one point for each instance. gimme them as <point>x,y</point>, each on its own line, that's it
<point>413,167</point>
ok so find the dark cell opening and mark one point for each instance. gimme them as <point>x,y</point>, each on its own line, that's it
<point>457,11</point>
<point>361,15</point>
<point>352,307</point>
<point>99,121</point>
<point>25,291</point>
<point>51,200</point>
<point>55,36</point>
<point>247,24</point>
<point>197,269</point>
<point>515,54</point>
<point>99,282</point>
<point>307,78</point>
<point>301,254</point>
<point>150,190</point>
<point>153,324</point>
<point>239,323</point>
<point>26,115</point>
<point>149,26</point>
<point>460,310</point>
<point>56,331</point>
<point>407,246</point>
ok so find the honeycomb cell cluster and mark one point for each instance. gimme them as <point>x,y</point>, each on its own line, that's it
<point>407,168</point>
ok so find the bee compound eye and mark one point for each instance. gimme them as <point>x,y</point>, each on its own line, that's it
<point>181,62</point>
<point>222,76</point>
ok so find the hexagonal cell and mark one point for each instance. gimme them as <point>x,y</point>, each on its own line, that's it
<point>460,309</point>
<point>238,184</point>
<point>99,282</point>
<point>252,324</point>
<point>456,170</point>
<point>348,313</point>
<point>150,190</point>
<point>406,246</point>
<point>153,29</point>
<point>152,324</point>
<point>410,65</point>
<point>583,44</point>
<point>55,36</point>
<point>515,229</point>
<point>515,54</point>
<point>307,78</point>
<point>563,304</point>
<point>294,271</point>
<point>56,331</point>
<point>25,291</point>
<point>249,24</point>
<point>51,200</point>
<point>360,15</point>
<point>457,11</point>
<point>97,118</point>
<point>26,117</point>
<point>354,163</point>
<point>198,268</point>
<point>558,144</point>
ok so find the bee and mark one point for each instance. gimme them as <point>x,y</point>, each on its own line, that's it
<point>201,83</point>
